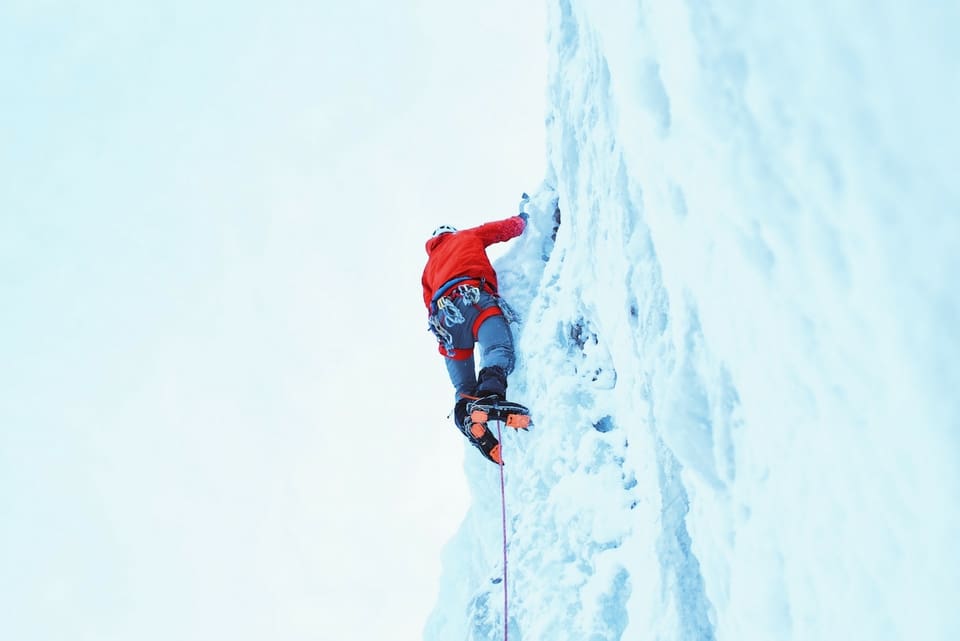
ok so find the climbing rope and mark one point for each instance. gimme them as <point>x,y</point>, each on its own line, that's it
<point>503,514</point>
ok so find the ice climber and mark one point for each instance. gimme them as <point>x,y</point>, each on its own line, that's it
<point>460,292</point>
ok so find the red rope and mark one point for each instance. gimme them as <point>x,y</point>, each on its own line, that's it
<point>503,513</point>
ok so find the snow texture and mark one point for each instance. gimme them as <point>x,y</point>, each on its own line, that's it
<point>739,335</point>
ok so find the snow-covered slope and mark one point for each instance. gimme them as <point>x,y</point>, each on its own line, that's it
<point>741,350</point>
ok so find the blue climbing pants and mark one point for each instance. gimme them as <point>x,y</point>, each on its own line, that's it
<point>483,323</point>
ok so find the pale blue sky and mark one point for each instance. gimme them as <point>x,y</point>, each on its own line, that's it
<point>221,414</point>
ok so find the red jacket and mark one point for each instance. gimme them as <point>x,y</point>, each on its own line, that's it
<point>463,253</point>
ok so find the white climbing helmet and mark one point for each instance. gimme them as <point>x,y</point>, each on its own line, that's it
<point>443,229</point>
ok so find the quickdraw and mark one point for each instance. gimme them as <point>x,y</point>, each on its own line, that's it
<point>448,312</point>
<point>469,293</point>
<point>447,315</point>
<point>442,333</point>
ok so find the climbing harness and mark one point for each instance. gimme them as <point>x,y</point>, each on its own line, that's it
<point>447,312</point>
